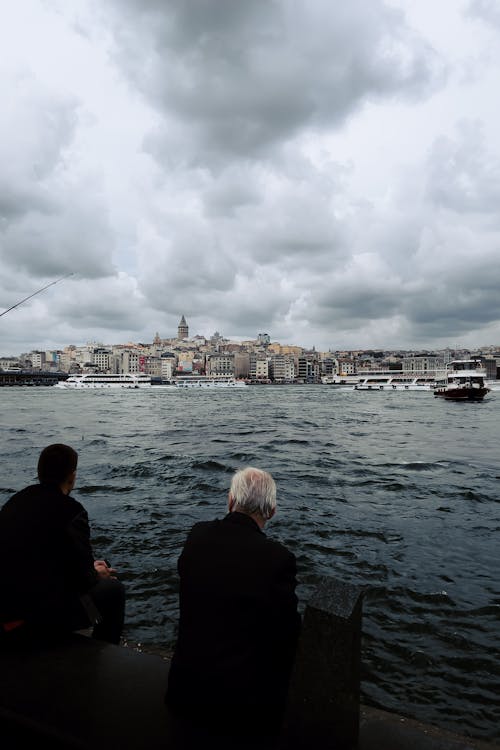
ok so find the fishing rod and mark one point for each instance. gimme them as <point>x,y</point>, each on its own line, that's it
<point>35,293</point>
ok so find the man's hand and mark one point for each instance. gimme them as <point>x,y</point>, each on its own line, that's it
<point>103,569</point>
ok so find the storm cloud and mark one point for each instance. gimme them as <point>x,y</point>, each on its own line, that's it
<point>324,172</point>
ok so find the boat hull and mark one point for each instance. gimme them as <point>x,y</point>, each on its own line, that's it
<point>462,394</point>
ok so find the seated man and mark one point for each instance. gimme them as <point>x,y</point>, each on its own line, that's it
<point>49,581</point>
<point>238,622</point>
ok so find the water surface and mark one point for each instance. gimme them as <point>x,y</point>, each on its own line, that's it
<point>396,492</point>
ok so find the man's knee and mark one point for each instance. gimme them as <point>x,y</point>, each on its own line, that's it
<point>108,594</point>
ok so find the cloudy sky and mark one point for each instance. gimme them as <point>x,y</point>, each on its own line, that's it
<point>325,172</point>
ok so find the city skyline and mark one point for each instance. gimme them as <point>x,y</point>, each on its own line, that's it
<point>326,172</point>
<point>183,341</point>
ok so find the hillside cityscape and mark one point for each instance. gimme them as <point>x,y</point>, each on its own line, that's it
<point>258,360</point>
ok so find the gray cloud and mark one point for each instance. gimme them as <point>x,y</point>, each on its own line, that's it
<point>234,175</point>
<point>34,130</point>
<point>237,79</point>
<point>50,224</point>
<point>463,177</point>
<point>486,10</point>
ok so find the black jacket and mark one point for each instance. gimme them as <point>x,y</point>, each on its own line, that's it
<point>238,622</point>
<point>46,560</point>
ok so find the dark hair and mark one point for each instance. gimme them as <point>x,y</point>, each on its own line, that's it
<point>56,463</point>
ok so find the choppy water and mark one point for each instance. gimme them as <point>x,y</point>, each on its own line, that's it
<point>398,492</point>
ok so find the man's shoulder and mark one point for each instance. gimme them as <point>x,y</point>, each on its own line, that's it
<point>279,550</point>
<point>218,529</point>
<point>22,497</point>
<point>39,496</point>
<point>202,528</point>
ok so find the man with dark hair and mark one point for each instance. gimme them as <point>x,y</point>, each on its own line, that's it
<point>49,580</point>
<point>239,623</point>
<point>56,463</point>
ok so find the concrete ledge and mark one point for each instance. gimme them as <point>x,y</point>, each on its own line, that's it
<point>82,694</point>
<point>381,730</point>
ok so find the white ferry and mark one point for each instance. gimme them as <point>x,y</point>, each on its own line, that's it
<point>464,381</point>
<point>105,380</point>
<point>392,380</point>
<point>396,383</point>
<point>205,381</point>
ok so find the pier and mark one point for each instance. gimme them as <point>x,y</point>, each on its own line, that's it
<point>30,377</point>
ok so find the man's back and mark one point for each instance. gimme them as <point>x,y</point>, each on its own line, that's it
<point>238,621</point>
<point>44,546</point>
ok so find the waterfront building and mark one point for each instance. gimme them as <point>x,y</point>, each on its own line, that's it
<point>423,364</point>
<point>65,361</point>
<point>220,364</point>
<point>308,368</point>
<point>259,366</point>
<point>328,366</point>
<point>182,329</point>
<point>83,354</point>
<point>52,357</point>
<point>37,360</point>
<point>199,366</point>
<point>241,365</point>
<point>130,361</point>
<point>151,365</point>
<point>281,368</point>
<point>100,358</point>
<point>346,366</point>
<point>167,365</point>
<point>184,364</point>
<point>9,363</point>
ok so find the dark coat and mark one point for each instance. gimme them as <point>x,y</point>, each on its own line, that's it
<point>46,559</point>
<point>238,623</point>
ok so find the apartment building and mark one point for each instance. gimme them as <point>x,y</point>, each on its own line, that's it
<point>346,366</point>
<point>9,363</point>
<point>100,359</point>
<point>259,367</point>
<point>241,365</point>
<point>220,364</point>
<point>151,365</point>
<point>423,364</point>
<point>308,368</point>
<point>130,361</point>
<point>281,368</point>
<point>37,360</point>
<point>168,365</point>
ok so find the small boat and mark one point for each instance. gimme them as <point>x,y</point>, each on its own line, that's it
<point>464,381</point>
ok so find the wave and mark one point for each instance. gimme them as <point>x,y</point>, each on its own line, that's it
<point>90,489</point>
<point>211,465</point>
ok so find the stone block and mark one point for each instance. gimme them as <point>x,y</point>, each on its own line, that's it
<point>323,707</point>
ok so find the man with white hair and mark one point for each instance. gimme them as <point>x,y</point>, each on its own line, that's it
<point>238,622</point>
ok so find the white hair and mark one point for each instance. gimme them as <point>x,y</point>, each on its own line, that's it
<point>254,491</point>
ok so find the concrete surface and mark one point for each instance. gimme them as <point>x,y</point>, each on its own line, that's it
<point>82,694</point>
